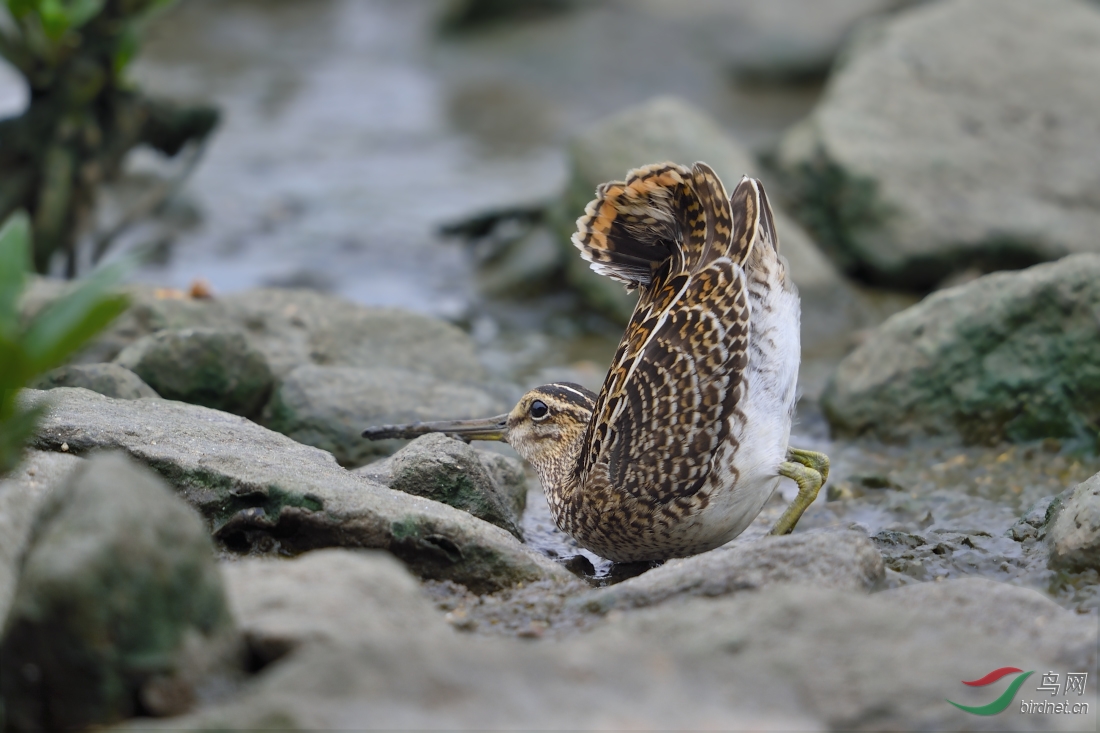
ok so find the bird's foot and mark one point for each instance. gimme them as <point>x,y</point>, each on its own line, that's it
<point>809,470</point>
<point>811,459</point>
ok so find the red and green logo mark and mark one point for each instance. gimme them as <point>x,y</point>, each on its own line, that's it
<point>1002,702</point>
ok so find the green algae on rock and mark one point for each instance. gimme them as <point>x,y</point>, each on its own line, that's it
<point>1009,356</point>
<point>203,366</point>
<point>487,485</point>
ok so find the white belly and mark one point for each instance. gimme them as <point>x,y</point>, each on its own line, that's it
<point>768,406</point>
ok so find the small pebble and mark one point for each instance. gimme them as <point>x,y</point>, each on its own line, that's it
<point>64,447</point>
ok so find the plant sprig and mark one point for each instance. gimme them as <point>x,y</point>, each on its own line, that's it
<point>28,349</point>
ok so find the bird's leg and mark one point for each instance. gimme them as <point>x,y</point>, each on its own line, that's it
<point>809,470</point>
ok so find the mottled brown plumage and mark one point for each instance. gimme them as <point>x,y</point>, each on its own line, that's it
<point>688,436</point>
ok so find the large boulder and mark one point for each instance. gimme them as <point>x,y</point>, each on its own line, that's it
<point>329,406</point>
<point>203,366</point>
<point>21,495</point>
<point>261,492</point>
<point>488,485</point>
<point>784,41</point>
<point>295,327</point>
<point>1073,528</point>
<point>119,608</point>
<point>109,380</point>
<point>957,135</point>
<point>1008,356</point>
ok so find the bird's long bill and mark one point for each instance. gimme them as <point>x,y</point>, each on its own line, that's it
<point>486,428</point>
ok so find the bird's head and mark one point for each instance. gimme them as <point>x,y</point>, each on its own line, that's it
<point>545,427</point>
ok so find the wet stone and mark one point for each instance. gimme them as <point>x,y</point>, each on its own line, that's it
<point>1009,356</point>
<point>1073,528</point>
<point>487,485</point>
<point>845,560</point>
<point>930,111</point>
<point>109,380</point>
<point>203,366</point>
<point>1030,525</point>
<point>319,598</point>
<point>21,495</point>
<point>262,493</point>
<point>1021,616</point>
<point>114,555</point>
<point>329,406</point>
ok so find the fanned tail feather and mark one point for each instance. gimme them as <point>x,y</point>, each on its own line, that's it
<point>753,224</point>
<point>661,212</point>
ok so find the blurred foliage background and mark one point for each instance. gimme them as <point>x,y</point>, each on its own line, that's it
<point>83,116</point>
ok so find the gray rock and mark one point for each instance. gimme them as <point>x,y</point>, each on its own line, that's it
<point>334,597</point>
<point>109,380</point>
<point>842,560</point>
<point>787,657</point>
<point>262,492</point>
<point>119,604</point>
<point>329,406</point>
<point>860,662</point>
<point>203,366</point>
<point>151,309</point>
<point>290,327</point>
<point>1073,528</point>
<point>21,495</point>
<point>957,135</point>
<point>1007,356</point>
<point>508,477</point>
<point>526,264</point>
<point>780,40</point>
<point>1018,616</point>
<point>488,485</point>
<point>295,327</point>
<point>382,674</point>
<point>1030,525</point>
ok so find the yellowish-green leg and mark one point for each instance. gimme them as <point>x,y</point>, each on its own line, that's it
<point>809,470</point>
<point>811,459</point>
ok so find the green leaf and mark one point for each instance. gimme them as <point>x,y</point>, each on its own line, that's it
<point>81,11</point>
<point>59,16</point>
<point>15,431</point>
<point>19,8</point>
<point>15,261</point>
<point>125,50</point>
<point>69,323</point>
<point>13,366</point>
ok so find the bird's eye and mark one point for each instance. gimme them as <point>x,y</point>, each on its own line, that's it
<point>539,410</point>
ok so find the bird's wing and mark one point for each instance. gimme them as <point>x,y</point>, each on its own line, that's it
<point>677,378</point>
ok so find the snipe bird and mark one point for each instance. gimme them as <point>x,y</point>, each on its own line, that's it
<point>688,438</point>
